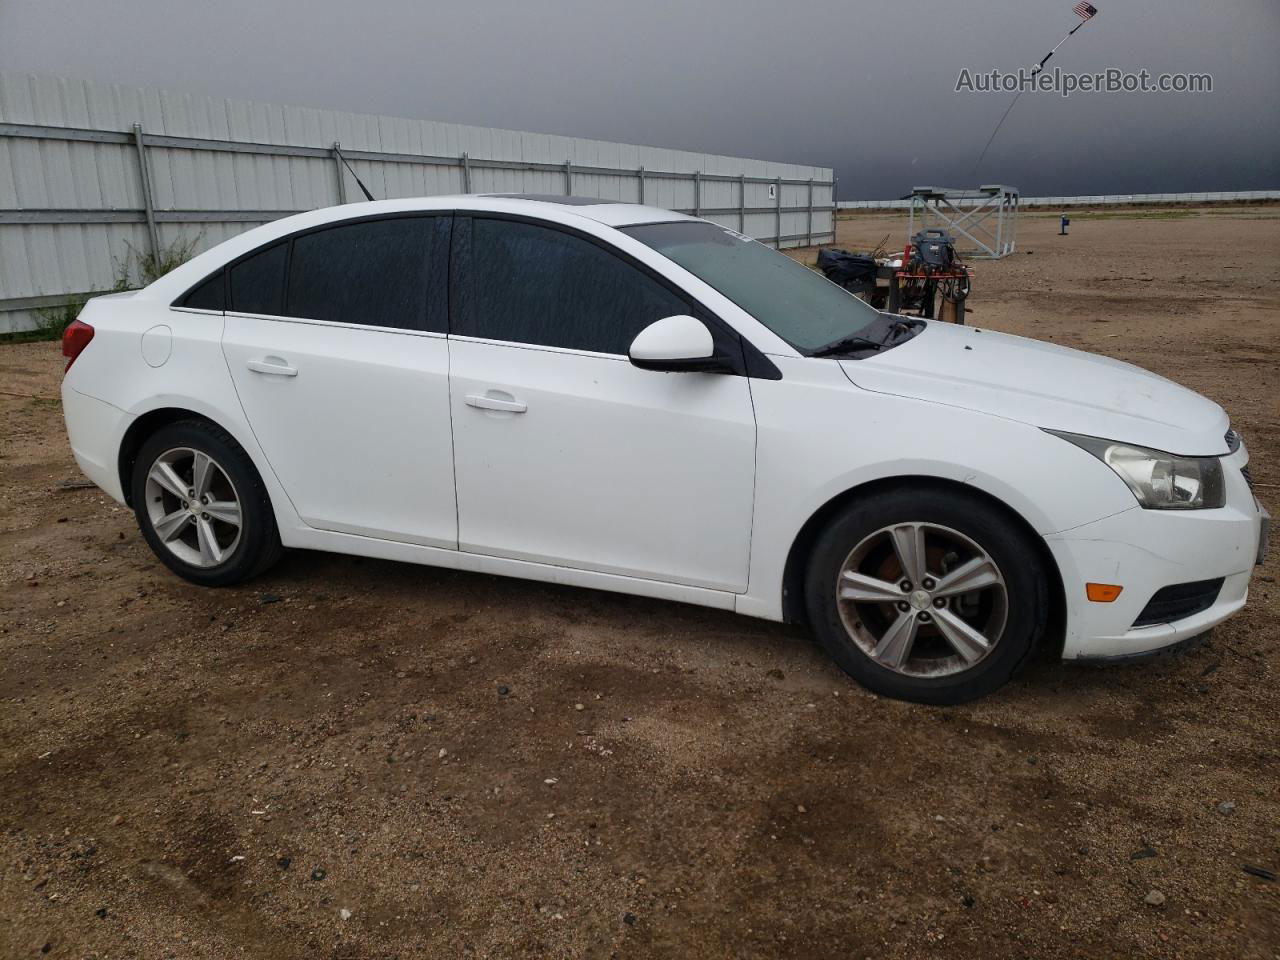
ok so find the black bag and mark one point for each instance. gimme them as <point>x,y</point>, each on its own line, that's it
<point>843,267</point>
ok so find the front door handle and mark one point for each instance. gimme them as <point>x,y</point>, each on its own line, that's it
<point>496,400</point>
<point>275,366</point>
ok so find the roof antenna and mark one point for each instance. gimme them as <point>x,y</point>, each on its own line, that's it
<point>359,182</point>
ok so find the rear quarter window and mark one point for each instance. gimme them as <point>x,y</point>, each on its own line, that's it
<point>257,283</point>
<point>209,295</point>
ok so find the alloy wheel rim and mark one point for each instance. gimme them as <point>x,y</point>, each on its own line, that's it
<point>922,599</point>
<point>193,507</point>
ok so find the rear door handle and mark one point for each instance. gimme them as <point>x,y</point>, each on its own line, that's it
<point>495,400</point>
<point>274,366</point>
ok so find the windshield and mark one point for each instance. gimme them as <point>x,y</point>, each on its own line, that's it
<point>801,306</point>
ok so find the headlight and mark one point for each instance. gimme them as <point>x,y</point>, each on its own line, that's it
<point>1160,481</point>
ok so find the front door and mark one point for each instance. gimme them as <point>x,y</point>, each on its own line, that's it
<point>567,454</point>
<point>335,340</point>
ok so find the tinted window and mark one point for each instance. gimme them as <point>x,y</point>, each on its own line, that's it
<point>799,305</point>
<point>257,284</point>
<point>384,273</point>
<point>530,284</point>
<point>207,296</point>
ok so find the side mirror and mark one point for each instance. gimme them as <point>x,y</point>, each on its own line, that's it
<point>679,343</point>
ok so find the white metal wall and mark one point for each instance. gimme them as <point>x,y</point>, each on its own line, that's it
<point>72,200</point>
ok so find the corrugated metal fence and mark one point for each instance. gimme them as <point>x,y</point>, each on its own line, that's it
<point>90,172</point>
<point>1099,200</point>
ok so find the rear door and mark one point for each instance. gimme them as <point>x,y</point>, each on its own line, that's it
<point>335,339</point>
<point>567,454</point>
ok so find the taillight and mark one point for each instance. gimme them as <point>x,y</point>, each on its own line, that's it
<point>74,339</point>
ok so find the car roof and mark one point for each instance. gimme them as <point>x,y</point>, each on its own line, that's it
<point>566,201</point>
<point>613,213</point>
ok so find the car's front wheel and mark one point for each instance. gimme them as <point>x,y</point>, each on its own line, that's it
<point>202,506</point>
<point>926,594</point>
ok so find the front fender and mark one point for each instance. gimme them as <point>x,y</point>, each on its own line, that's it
<point>818,437</point>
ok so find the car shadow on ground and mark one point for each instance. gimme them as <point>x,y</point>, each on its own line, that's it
<point>658,628</point>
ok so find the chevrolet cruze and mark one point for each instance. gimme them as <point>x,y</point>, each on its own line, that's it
<point>621,397</point>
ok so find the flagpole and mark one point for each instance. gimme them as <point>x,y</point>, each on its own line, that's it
<point>1040,66</point>
<point>1035,72</point>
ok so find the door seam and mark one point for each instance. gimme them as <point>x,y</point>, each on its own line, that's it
<point>453,448</point>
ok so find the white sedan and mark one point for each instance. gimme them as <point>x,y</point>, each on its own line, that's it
<point>621,397</point>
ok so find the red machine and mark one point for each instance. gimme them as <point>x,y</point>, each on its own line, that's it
<point>932,280</point>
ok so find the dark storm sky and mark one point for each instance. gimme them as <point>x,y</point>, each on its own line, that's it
<point>868,88</point>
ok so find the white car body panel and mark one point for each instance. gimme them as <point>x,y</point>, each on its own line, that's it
<point>1057,388</point>
<point>1147,549</point>
<point>95,429</point>
<point>193,378</point>
<point>610,467</point>
<point>684,486</point>
<point>847,438</point>
<point>311,539</point>
<point>356,394</point>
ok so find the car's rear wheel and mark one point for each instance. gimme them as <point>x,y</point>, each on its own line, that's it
<point>202,506</point>
<point>926,594</point>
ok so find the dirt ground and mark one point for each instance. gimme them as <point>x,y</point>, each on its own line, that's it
<point>351,759</point>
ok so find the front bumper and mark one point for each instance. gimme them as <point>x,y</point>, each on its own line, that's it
<point>1145,550</point>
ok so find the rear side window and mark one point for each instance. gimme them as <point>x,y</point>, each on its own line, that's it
<point>381,273</point>
<point>207,296</point>
<point>526,283</point>
<point>257,284</point>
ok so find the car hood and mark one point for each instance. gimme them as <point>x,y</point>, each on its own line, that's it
<point>1045,385</point>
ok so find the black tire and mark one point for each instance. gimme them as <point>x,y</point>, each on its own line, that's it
<point>1025,599</point>
<point>257,546</point>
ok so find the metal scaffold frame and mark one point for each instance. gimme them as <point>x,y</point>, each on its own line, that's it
<point>987,217</point>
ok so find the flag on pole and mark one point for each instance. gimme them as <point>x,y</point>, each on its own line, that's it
<point>1086,12</point>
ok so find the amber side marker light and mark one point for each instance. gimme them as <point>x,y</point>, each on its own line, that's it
<point>1102,592</point>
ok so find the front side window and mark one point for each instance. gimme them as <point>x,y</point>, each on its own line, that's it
<point>800,306</point>
<point>525,283</point>
<point>381,273</point>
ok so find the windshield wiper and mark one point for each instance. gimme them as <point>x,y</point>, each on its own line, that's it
<point>891,338</point>
<point>899,327</point>
<point>846,344</point>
